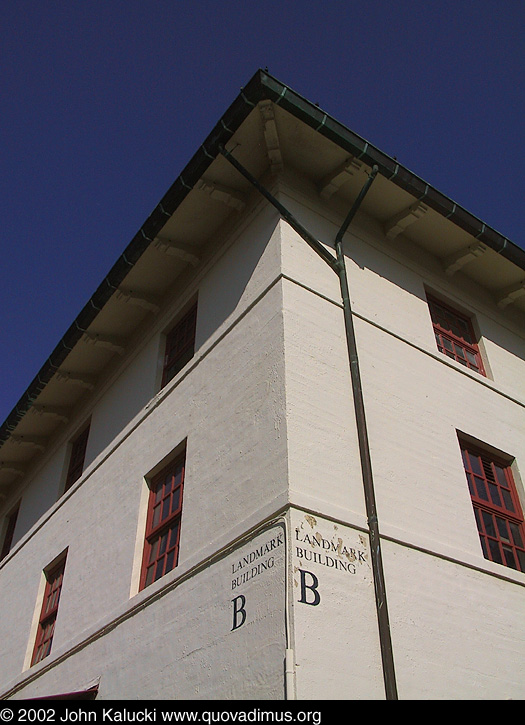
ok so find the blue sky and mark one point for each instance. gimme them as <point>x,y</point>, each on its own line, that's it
<point>103,104</point>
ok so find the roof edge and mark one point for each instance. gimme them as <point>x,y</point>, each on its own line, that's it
<point>262,86</point>
<point>388,167</point>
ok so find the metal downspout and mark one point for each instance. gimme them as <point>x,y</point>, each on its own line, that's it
<point>337,263</point>
<point>364,451</point>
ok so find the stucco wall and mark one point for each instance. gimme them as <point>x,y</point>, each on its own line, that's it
<point>192,641</point>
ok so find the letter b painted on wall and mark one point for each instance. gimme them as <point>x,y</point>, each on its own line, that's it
<point>239,612</point>
<point>309,588</point>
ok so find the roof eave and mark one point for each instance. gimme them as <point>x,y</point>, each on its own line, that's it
<point>262,86</point>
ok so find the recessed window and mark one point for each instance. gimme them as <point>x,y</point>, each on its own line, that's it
<point>77,458</point>
<point>180,345</point>
<point>9,531</point>
<point>499,517</point>
<point>161,549</point>
<point>455,335</point>
<point>48,615</point>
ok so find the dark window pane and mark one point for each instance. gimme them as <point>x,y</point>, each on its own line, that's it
<point>509,557</point>
<point>174,533</point>
<point>489,524</point>
<point>168,484</point>
<point>507,500</point>
<point>175,501</point>
<point>481,489</point>
<point>494,494</point>
<point>464,329</point>
<point>521,559</point>
<point>153,550</point>
<point>170,560</point>
<point>180,345</point>
<point>475,464</point>
<point>502,529</point>
<point>495,554</point>
<point>163,544</point>
<point>500,475</point>
<point>516,535</point>
<point>149,575</point>
<point>51,602</point>
<point>159,569</point>
<point>156,515</point>
<point>459,352</point>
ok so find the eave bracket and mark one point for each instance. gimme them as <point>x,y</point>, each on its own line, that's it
<point>454,262</point>
<point>397,224</point>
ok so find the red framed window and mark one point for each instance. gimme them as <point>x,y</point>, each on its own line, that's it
<point>499,516</point>
<point>10,531</point>
<point>77,458</point>
<point>48,615</point>
<point>161,549</point>
<point>180,345</point>
<point>455,335</point>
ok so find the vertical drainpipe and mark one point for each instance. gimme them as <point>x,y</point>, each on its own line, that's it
<point>339,266</point>
<point>364,452</point>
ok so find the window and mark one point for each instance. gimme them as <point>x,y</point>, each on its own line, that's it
<point>77,458</point>
<point>10,531</point>
<point>455,335</point>
<point>497,508</point>
<point>180,345</point>
<point>48,615</point>
<point>161,548</point>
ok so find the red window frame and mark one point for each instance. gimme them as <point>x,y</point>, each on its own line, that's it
<point>499,516</point>
<point>10,531</point>
<point>455,335</point>
<point>161,548</point>
<point>77,458</point>
<point>180,345</point>
<point>48,614</point>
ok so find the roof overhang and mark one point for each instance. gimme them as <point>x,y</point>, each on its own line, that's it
<point>271,126</point>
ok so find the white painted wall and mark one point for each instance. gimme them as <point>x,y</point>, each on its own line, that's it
<point>457,633</point>
<point>187,643</point>
<point>336,639</point>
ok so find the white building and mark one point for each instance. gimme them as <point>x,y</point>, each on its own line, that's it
<point>211,372</point>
